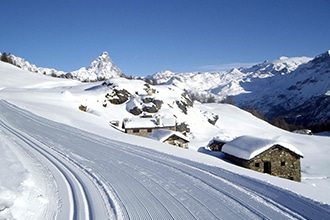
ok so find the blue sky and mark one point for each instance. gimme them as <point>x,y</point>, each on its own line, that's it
<point>147,36</point>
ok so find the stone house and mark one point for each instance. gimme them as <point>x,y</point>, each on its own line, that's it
<point>145,126</point>
<point>265,156</point>
<point>170,137</point>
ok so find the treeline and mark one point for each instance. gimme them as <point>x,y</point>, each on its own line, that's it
<point>149,81</point>
<point>316,128</point>
<point>281,123</point>
<point>202,97</point>
<point>6,58</point>
<point>278,121</point>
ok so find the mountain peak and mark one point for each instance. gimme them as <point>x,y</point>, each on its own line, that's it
<point>100,69</point>
<point>105,56</point>
<point>102,60</point>
<point>105,53</point>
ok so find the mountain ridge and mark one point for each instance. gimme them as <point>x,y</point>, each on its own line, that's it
<point>287,88</point>
<point>101,68</point>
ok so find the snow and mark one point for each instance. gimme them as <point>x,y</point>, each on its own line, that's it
<point>140,123</point>
<point>26,190</point>
<point>161,135</point>
<point>284,58</point>
<point>228,83</point>
<point>100,68</point>
<point>280,88</point>
<point>149,122</point>
<point>247,147</point>
<point>50,148</point>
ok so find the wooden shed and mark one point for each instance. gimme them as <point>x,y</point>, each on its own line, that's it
<point>266,156</point>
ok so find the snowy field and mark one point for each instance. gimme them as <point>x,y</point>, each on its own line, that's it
<point>61,163</point>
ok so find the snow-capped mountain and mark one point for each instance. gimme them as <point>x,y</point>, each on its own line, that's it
<point>299,95</point>
<point>100,69</point>
<point>296,89</point>
<point>227,83</point>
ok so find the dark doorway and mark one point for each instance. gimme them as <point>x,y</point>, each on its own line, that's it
<point>267,167</point>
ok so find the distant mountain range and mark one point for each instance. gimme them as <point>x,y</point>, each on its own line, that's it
<point>295,89</point>
<point>100,69</point>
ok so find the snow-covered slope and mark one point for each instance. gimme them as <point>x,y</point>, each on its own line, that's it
<point>289,88</point>
<point>26,65</point>
<point>63,159</point>
<point>100,69</point>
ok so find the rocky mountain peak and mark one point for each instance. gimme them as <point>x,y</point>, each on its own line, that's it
<point>105,53</point>
<point>103,59</point>
<point>101,68</point>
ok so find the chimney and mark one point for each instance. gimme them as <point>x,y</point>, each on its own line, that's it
<point>158,120</point>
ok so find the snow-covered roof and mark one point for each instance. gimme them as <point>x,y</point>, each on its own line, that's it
<point>221,139</point>
<point>162,135</point>
<point>168,122</point>
<point>149,122</point>
<point>247,147</point>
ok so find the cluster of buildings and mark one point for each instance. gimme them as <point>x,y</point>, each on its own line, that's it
<point>262,155</point>
<point>157,128</point>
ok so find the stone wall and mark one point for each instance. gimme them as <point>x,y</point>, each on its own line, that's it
<point>144,132</point>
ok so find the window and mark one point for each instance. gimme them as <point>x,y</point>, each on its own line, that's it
<point>257,164</point>
<point>149,130</point>
<point>283,163</point>
<point>136,130</point>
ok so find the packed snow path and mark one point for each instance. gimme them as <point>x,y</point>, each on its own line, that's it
<point>101,178</point>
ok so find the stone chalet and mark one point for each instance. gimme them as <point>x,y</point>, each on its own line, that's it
<point>266,156</point>
<point>145,126</point>
<point>170,137</point>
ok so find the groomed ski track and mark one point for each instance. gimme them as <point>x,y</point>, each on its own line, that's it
<point>99,178</point>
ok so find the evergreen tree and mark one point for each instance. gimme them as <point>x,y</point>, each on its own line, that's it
<point>4,57</point>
